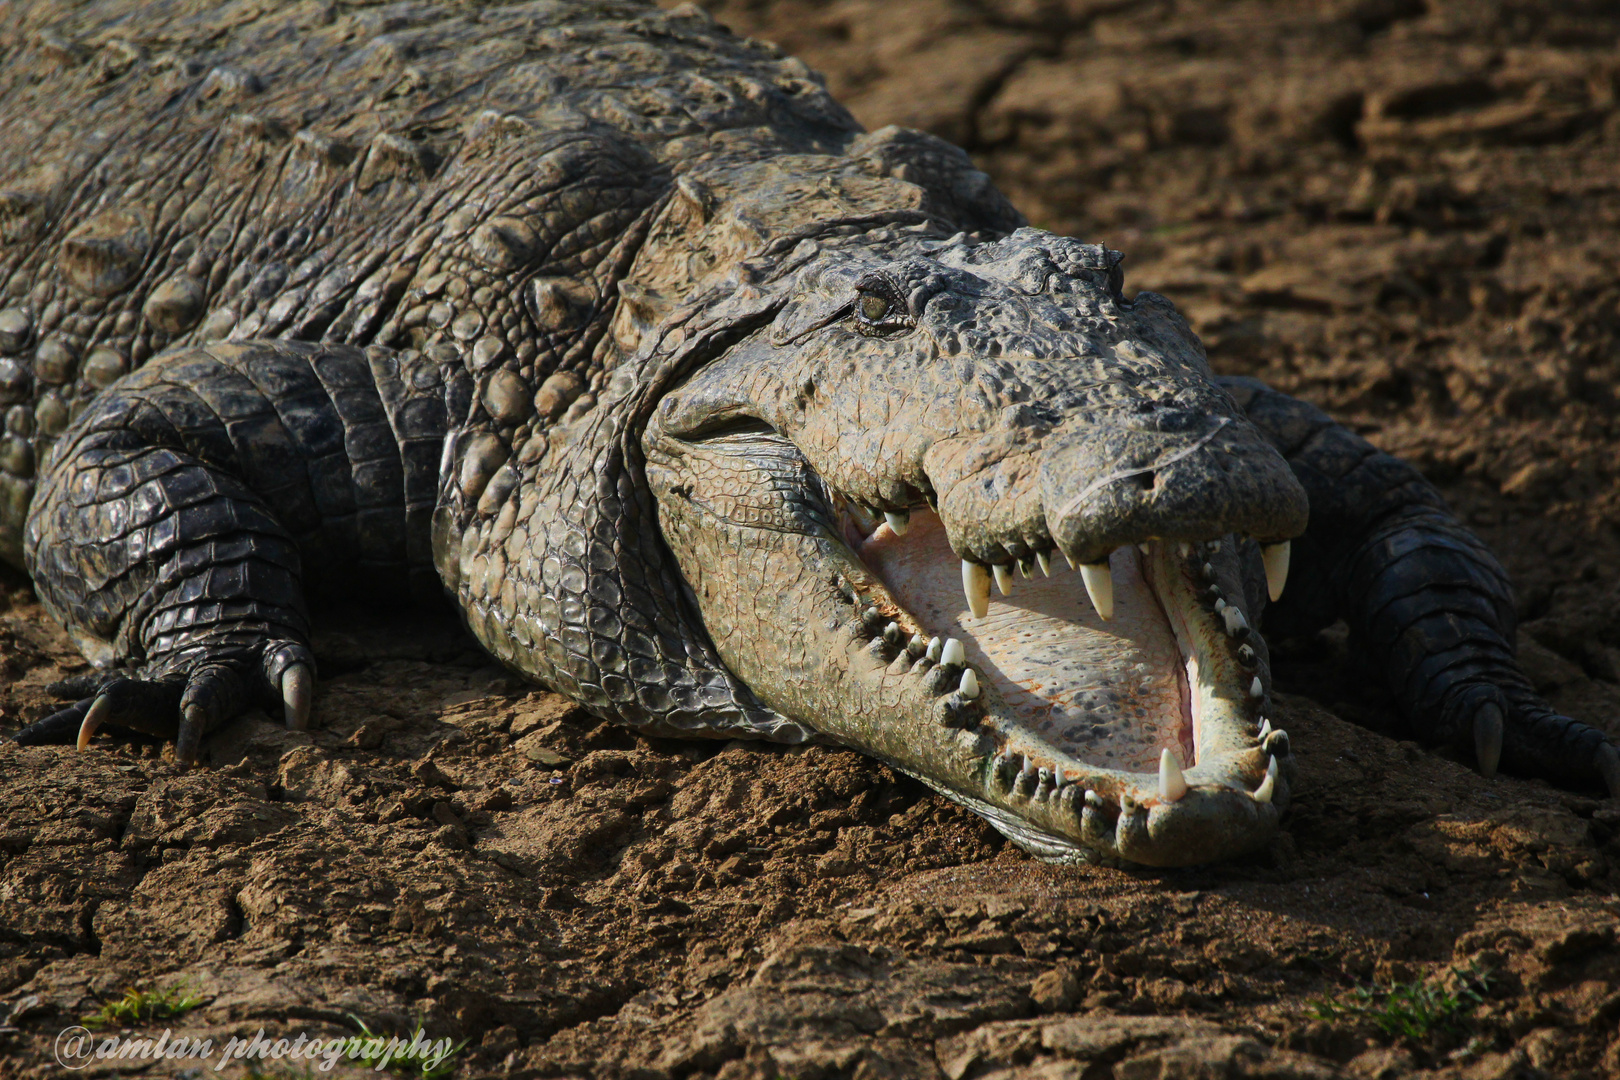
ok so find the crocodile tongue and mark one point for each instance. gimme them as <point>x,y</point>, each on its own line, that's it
<point>1112,693</point>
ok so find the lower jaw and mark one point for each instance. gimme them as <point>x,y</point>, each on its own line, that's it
<point>839,663</point>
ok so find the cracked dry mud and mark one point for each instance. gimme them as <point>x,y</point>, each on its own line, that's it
<point>1406,212</point>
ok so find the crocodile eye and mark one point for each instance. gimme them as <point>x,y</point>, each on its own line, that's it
<point>879,310</point>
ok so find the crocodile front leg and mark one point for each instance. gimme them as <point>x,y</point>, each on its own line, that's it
<point>188,512</point>
<point>1426,601</point>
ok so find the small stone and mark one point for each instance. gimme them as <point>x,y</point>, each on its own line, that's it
<point>545,755</point>
<point>1056,990</point>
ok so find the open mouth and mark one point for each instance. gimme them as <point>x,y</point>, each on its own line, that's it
<point>1123,702</point>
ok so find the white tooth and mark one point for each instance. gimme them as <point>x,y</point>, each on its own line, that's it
<point>1275,556</point>
<point>1029,766</point>
<point>1172,785</point>
<point>1262,794</point>
<point>1057,777</point>
<point>952,654</point>
<point>1265,728</point>
<point>1100,587</point>
<point>969,689</point>
<point>1184,549</point>
<point>1234,618</point>
<point>1070,560</point>
<point>976,587</point>
<point>1023,569</point>
<point>1220,605</point>
<point>898,522</point>
<point>1003,578</point>
<point>934,645</point>
<point>1044,563</point>
<point>1255,689</point>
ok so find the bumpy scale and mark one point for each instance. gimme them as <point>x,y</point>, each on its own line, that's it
<point>706,408</point>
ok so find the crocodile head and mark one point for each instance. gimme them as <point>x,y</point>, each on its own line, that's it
<point>876,499</point>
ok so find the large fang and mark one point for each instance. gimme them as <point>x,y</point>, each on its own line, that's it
<point>1268,786</point>
<point>1003,578</point>
<point>1172,785</point>
<point>969,689</point>
<point>1275,556</point>
<point>976,584</point>
<point>901,522</point>
<point>1100,587</point>
<point>1044,562</point>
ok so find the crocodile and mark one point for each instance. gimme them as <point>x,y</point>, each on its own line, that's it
<point>704,407</point>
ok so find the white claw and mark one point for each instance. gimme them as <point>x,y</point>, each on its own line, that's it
<point>99,710</point>
<point>1275,556</point>
<point>898,522</point>
<point>952,654</point>
<point>1044,562</point>
<point>932,652</point>
<point>1255,689</point>
<point>976,587</point>
<point>297,686</point>
<point>969,689</point>
<point>1172,785</point>
<point>1488,730</point>
<point>1100,587</point>
<point>1004,578</point>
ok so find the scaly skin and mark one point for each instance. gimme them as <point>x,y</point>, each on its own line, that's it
<point>621,330</point>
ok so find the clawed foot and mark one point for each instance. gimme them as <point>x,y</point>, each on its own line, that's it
<point>1512,728</point>
<point>185,705</point>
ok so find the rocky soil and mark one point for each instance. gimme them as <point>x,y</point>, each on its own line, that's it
<point>1406,211</point>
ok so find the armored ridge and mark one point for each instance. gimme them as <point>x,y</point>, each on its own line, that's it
<point>709,411</point>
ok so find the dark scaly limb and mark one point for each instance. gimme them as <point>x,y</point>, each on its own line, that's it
<point>1425,600</point>
<point>173,537</point>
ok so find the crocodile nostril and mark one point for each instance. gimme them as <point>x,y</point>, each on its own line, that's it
<point>1146,480</point>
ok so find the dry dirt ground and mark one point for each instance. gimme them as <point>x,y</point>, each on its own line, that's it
<point>1406,211</point>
